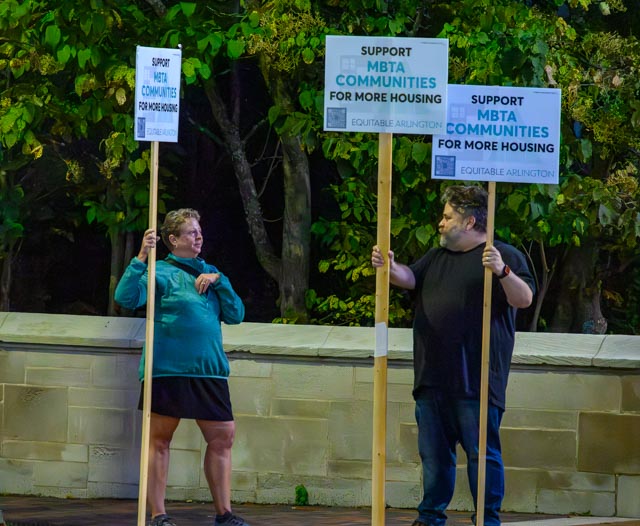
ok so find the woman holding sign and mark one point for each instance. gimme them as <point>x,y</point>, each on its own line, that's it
<point>190,368</point>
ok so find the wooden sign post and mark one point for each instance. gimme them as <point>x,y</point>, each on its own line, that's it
<point>484,374</point>
<point>148,363</point>
<point>381,319</point>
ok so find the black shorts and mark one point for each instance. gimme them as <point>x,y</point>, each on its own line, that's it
<point>188,397</point>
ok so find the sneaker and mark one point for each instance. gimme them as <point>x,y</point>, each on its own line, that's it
<point>162,520</point>
<point>231,520</point>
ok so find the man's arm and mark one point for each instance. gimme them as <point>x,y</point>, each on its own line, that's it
<point>399,275</point>
<point>518,292</point>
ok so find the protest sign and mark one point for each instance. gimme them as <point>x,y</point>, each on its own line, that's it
<point>386,84</point>
<point>157,103</point>
<point>501,134</point>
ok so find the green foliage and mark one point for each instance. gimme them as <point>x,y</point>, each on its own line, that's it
<point>302,495</point>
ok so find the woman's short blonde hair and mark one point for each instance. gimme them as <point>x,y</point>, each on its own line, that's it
<point>174,220</point>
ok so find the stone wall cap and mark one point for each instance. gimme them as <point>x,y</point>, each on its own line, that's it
<point>322,341</point>
<point>70,329</point>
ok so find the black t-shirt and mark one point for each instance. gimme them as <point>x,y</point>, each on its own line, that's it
<point>447,329</point>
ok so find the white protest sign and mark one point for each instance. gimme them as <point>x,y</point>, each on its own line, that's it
<point>501,134</point>
<point>386,84</point>
<point>157,94</point>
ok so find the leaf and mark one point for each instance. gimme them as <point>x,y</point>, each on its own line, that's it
<point>606,215</point>
<point>273,114</point>
<point>308,56</point>
<point>64,54</point>
<point>52,36</point>
<point>83,56</point>
<point>85,24</point>
<point>420,151</point>
<point>235,48</point>
<point>188,8</point>
<point>121,96</point>
<point>424,233</point>
<point>254,19</point>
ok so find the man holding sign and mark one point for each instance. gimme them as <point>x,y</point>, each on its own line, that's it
<point>448,290</point>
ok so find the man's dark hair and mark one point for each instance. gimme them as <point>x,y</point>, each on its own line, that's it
<point>469,201</point>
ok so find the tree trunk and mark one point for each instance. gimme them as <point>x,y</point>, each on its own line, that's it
<point>117,251</point>
<point>576,296</point>
<point>297,218</point>
<point>296,231</point>
<point>5,281</point>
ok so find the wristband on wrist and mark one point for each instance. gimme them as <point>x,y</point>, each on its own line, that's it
<point>505,272</point>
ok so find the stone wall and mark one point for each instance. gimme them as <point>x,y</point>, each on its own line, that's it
<point>302,397</point>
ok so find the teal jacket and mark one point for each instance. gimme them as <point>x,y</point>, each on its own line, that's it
<point>187,325</point>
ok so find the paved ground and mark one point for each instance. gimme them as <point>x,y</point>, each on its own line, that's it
<point>44,511</point>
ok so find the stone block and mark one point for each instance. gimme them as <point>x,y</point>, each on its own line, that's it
<point>187,436</point>
<point>28,450</point>
<point>60,359</point>
<point>116,371</point>
<point>576,502</point>
<point>564,391</point>
<point>242,497</point>
<point>105,398</point>
<point>68,329</point>
<point>244,481</point>
<point>399,384</point>
<point>577,481</point>
<point>111,465</point>
<point>608,443</point>
<point>300,407</point>
<point>61,492</point>
<point>400,494</point>
<point>318,381</point>
<point>251,396</point>
<point>556,349</point>
<point>351,430</point>
<point>72,475</point>
<point>12,366</point>
<point>292,446</point>
<point>520,490</point>
<point>628,503</point>
<point>184,469</point>
<point>538,448</point>
<point>106,490</point>
<point>403,472</point>
<point>397,415</point>
<point>619,350</point>
<point>249,369</point>
<point>98,426</point>
<point>539,419</point>
<point>16,477</point>
<point>35,413</point>
<point>181,493</point>
<point>349,469</point>
<point>631,394</point>
<point>408,443</point>
<point>56,376</point>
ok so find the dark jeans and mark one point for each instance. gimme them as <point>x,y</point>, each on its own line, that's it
<point>442,423</point>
